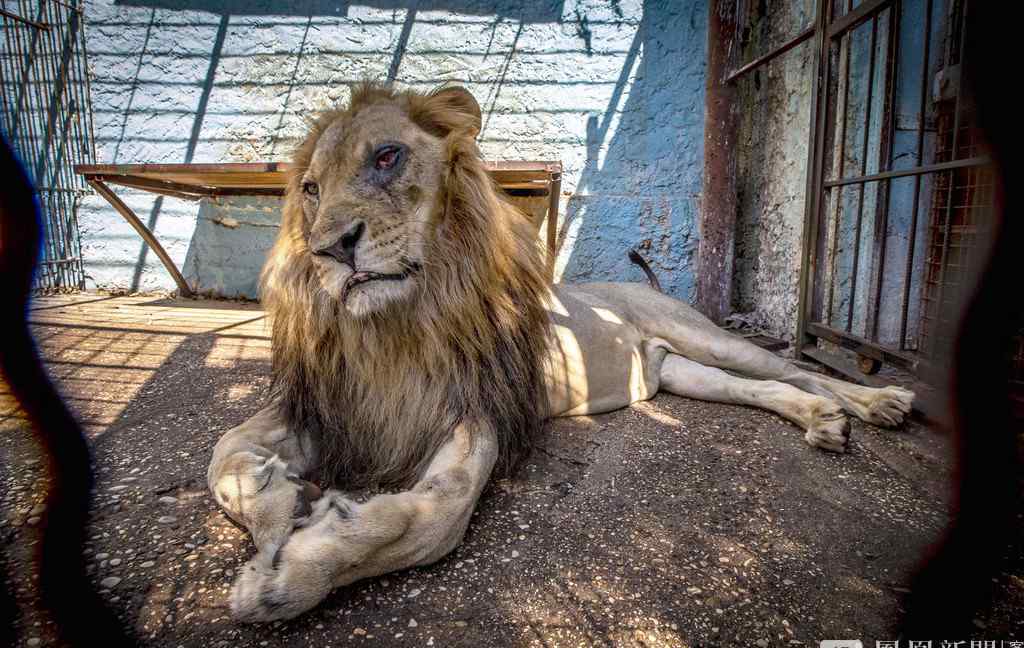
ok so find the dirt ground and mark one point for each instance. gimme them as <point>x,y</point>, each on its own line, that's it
<point>671,523</point>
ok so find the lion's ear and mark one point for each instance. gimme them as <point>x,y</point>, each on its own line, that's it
<point>452,108</point>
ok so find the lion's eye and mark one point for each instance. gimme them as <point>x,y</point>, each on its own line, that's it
<point>310,188</point>
<point>386,158</point>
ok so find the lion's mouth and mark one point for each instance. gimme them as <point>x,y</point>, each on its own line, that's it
<point>361,277</point>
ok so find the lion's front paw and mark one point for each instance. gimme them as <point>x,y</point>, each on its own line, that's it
<point>298,575</point>
<point>889,405</point>
<point>271,589</point>
<point>829,428</point>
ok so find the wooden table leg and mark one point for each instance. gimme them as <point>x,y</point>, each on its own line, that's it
<point>147,236</point>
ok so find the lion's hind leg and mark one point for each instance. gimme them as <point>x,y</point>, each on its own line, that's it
<point>696,337</point>
<point>703,342</point>
<point>822,419</point>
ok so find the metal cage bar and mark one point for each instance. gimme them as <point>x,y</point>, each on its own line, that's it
<point>46,114</point>
<point>882,270</point>
<point>950,186</point>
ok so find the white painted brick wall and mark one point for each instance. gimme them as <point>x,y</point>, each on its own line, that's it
<point>578,80</point>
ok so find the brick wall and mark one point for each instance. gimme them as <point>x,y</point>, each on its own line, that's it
<point>612,88</point>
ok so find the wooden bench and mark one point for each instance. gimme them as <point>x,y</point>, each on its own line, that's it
<point>533,186</point>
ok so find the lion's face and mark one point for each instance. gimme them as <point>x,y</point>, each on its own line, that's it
<point>369,196</point>
<point>403,288</point>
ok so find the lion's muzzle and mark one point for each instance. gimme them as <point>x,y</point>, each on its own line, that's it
<point>343,249</point>
<point>364,276</point>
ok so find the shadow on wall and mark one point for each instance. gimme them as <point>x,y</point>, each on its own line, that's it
<point>230,244</point>
<point>641,186</point>
<point>524,10</point>
<point>630,137</point>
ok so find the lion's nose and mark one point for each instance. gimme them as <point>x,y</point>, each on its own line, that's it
<point>343,250</point>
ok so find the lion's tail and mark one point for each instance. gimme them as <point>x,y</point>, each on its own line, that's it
<point>635,257</point>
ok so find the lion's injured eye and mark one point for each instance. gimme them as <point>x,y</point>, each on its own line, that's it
<point>386,158</point>
<point>310,189</point>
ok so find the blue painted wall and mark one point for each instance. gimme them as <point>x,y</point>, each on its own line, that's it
<point>613,88</point>
<point>641,181</point>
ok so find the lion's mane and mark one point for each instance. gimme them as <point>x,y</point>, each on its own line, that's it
<point>374,398</point>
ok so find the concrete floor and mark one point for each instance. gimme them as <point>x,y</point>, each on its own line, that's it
<point>671,523</point>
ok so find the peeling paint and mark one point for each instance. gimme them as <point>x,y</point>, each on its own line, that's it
<point>771,167</point>
<point>226,221</point>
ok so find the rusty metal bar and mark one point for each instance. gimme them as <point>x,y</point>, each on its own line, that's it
<point>804,35</point>
<point>83,65</point>
<point>67,5</point>
<point>916,171</point>
<point>717,224</point>
<point>147,236</point>
<point>80,133</point>
<point>828,205</point>
<point>882,202</point>
<point>912,238</point>
<point>162,187</point>
<point>62,45</point>
<point>47,79</point>
<point>7,78</point>
<point>554,195</point>
<point>55,76</point>
<point>953,152</point>
<point>863,171</point>
<point>47,118</point>
<point>21,108</point>
<point>185,191</point>
<point>853,18</point>
<point>815,172</point>
<point>876,306</point>
<point>25,21</point>
<point>834,252</point>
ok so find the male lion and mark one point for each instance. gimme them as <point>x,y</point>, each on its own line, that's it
<point>417,344</point>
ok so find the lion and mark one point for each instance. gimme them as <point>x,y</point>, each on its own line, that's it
<point>418,348</point>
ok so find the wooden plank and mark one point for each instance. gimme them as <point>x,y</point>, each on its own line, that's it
<point>865,347</point>
<point>145,311</point>
<point>211,178</point>
<point>766,342</point>
<point>174,328</point>
<point>138,344</point>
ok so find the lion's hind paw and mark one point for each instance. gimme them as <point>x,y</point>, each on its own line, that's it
<point>889,406</point>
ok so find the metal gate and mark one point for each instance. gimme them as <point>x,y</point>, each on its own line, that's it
<point>900,191</point>
<point>47,117</point>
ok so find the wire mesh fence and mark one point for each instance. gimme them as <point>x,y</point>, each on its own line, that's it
<point>45,114</point>
<point>904,183</point>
